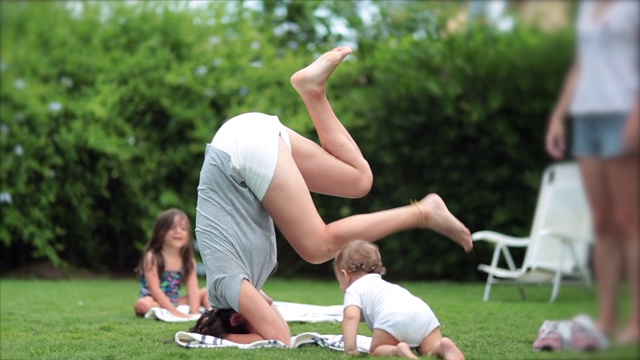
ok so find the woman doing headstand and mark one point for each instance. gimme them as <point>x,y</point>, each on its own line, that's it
<point>258,172</point>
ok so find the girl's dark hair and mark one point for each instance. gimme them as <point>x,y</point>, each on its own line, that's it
<point>218,323</point>
<point>164,223</point>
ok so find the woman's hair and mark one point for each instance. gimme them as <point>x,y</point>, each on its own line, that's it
<point>164,223</point>
<point>359,256</point>
<point>218,323</point>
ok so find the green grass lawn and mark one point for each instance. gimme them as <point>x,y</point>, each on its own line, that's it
<point>94,319</point>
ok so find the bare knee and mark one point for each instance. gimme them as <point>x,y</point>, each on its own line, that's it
<point>320,249</point>
<point>363,186</point>
<point>627,223</point>
<point>144,304</point>
<point>603,223</point>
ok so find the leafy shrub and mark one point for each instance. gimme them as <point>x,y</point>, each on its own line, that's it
<point>107,107</point>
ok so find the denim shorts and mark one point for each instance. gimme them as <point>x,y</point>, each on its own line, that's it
<point>598,135</point>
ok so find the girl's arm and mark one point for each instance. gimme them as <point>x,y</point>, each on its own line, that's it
<point>350,323</point>
<point>153,282</point>
<point>556,139</point>
<point>193,291</point>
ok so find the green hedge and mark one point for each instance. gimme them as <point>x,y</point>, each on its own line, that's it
<point>105,114</point>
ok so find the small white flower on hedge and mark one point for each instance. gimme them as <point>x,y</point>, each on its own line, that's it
<point>55,106</point>
<point>20,84</point>
<point>5,197</point>
<point>66,82</point>
<point>200,70</point>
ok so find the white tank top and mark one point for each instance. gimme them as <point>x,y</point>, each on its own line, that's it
<point>607,48</point>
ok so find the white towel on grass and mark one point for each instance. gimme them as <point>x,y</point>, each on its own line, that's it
<point>296,312</point>
<point>291,312</point>
<point>158,313</point>
<point>333,342</point>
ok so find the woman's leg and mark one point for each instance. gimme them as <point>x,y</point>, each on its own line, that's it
<point>337,168</point>
<point>624,177</point>
<point>608,252</point>
<point>291,207</point>
<point>345,173</point>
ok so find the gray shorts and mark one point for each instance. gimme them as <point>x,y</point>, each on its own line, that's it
<point>598,135</point>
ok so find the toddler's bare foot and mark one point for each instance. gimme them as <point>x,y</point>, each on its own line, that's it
<point>313,78</point>
<point>404,350</point>
<point>438,218</point>
<point>448,350</point>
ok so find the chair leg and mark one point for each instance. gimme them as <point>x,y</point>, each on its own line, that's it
<point>557,280</point>
<point>586,275</point>
<point>522,293</point>
<point>487,288</point>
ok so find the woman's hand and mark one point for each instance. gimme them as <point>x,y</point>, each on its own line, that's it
<point>631,135</point>
<point>555,141</point>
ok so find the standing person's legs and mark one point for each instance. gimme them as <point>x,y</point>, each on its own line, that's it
<point>607,253</point>
<point>624,176</point>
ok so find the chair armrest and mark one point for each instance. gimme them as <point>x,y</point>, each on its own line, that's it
<point>500,239</point>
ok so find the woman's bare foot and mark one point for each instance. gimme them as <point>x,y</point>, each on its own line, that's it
<point>313,78</point>
<point>438,218</point>
<point>447,350</point>
<point>403,350</point>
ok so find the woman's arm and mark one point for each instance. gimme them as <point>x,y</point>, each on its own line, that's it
<point>631,136</point>
<point>193,291</point>
<point>263,318</point>
<point>244,338</point>
<point>350,323</point>
<point>556,139</point>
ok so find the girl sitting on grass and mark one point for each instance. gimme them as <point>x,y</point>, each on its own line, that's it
<point>399,320</point>
<point>168,261</point>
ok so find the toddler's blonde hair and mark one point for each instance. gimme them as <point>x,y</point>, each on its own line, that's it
<point>359,256</point>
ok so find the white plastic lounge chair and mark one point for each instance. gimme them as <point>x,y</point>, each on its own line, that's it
<point>558,247</point>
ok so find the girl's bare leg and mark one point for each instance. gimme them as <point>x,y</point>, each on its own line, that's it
<point>144,304</point>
